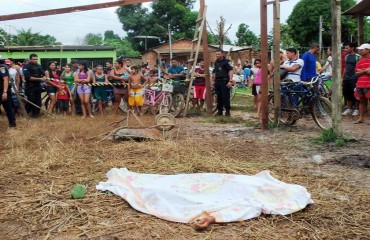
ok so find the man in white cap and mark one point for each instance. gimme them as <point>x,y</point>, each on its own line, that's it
<point>362,70</point>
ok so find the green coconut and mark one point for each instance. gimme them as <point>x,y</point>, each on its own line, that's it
<point>78,191</point>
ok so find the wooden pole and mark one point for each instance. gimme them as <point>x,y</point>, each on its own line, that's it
<point>70,9</point>
<point>336,54</point>
<point>320,37</point>
<point>277,98</point>
<point>360,29</point>
<point>207,61</point>
<point>264,64</point>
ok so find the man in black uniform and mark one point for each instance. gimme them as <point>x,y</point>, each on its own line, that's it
<point>5,98</point>
<point>33,75</point>
<point>223,78</point>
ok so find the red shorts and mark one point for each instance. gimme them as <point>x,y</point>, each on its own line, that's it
<point>200,92</point>
<point>362,93</point>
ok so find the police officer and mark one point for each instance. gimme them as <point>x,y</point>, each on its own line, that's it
<point>5,98</point>
<point>33,75</point>
<point>223,78</point>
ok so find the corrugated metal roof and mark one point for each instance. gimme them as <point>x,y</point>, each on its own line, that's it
<point>362,8</point>
<point>233,48</point>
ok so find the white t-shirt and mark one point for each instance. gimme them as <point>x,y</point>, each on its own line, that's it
<point>296,75</point>
<point>328,65</point>
<point>12,77</point>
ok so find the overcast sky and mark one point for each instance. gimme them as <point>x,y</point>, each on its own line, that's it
<point>67,28</point>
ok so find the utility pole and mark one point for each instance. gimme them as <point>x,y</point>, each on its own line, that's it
<point>170,40</point>
<point>207,61</point>
<point>277,97</point>
<point>336,54</point>
<point>264,63</point>
<point>320,36</point>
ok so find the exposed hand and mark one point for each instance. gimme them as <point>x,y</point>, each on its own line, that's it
<point>4,97</point>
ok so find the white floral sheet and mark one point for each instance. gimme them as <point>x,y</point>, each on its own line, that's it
<point>186,197</point>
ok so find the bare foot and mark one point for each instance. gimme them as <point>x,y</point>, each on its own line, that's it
<point>202,223</point>
<point>83,116</point>
<point>92,116</point>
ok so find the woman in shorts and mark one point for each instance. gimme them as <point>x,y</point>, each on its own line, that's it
<point>52,85</point>
<point>82,79</point>
<point>119,75</point>
<point>100,92</point>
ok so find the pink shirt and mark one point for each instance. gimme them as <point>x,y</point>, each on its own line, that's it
<point>258,78</point>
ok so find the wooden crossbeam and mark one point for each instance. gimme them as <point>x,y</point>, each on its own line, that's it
<point>70,9</point>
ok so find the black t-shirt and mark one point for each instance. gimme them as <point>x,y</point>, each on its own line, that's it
<point>351,61</point>
<point>33,70</point>
<point>222,69</point>
<point>4,72</point>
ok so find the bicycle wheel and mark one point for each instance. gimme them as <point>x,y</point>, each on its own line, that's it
<point>285,111</point>
<point>271,109</point>
<point>178,103</point>
<point>321,112</point>
<point>166,103</point>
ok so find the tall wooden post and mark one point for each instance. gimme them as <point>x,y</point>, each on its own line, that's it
<point>277,98</point>
<point>264,63</point>
<point>336,54</point>
<point>360,27</point>
<point>207,61</point>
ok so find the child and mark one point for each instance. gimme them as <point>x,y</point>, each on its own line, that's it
<point>258,82</point>
<point>153,79</point>
<point>100,92</point>
<point>135,89</point>
<point>62,97</point>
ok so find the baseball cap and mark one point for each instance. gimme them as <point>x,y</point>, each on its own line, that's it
<point>364,46</point>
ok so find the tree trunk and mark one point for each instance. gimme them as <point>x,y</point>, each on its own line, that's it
<point>336,54</point>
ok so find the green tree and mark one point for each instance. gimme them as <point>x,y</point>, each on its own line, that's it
<point>304,22</point>
<point>285,39</point>
<point>109,34</point>
<point>137,20</point>
<point>123,45</point>
<point>95,39</point>
<point>245,36</point>
<point>28,38</point>
<point>4,37</point>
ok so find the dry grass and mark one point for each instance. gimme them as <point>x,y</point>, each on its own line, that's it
<point>42,159</point>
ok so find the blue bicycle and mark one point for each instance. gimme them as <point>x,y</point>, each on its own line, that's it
<point>298,99</point>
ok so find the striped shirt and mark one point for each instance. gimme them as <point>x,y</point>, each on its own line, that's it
<point>363,80</point>
<point>296,75</point>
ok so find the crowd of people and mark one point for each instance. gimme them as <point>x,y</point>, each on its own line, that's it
<point>355,72</point>
<point>70,89</point>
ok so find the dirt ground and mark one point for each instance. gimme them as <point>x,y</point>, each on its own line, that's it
<point>42,159</point>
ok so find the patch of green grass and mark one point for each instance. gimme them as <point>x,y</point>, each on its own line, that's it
<point>330,136</point>
<point>243,101</point>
